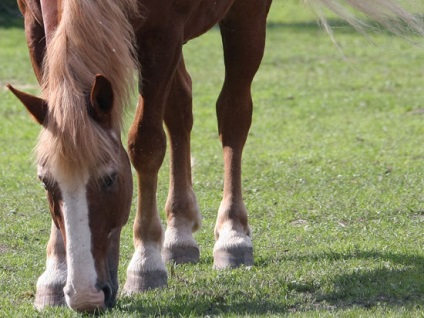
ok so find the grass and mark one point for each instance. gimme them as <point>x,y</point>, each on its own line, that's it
<point>333,180</point>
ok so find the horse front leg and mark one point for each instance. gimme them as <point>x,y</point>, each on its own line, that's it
<point>147,146</point>
<point>50,284</point>
<point>159,56</point>
<point>243,37</point>
<point>41,19</point>
<point>183,217</point>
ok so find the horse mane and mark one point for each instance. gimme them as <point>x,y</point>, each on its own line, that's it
<point>93,37</point>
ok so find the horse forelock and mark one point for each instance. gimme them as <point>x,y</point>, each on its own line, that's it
<point>93,37</point>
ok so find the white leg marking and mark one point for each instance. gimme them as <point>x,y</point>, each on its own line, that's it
<point>55,273</point>
<point>230,238</point>
<point>147,258</point>
<point>53,279</point>
<point>56,269</point>
<point>179,234</point>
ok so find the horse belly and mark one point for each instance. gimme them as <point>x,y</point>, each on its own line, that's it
<point>206,15</point>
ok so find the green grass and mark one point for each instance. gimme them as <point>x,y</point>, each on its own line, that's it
<point>333,180</point>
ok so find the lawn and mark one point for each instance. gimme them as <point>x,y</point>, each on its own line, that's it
<point>333,181</point>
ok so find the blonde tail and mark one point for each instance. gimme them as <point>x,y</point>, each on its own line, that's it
<point>389,13</point>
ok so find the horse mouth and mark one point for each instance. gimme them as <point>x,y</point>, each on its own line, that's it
<point>91,300</point>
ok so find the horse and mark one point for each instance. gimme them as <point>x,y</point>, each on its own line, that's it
<point>84,55</point>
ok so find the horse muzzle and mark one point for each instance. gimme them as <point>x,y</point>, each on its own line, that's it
<point>89,299</point>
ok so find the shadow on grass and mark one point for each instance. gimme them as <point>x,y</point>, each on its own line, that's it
<point>398,280</point>
<point>313,25</point>
<point>12,18</point>
<point>180,307</point>
<point>202,298</point>
<point>339,26</point>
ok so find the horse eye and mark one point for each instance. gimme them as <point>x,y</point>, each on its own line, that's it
<point>110,180</point>
<point>43,182</point>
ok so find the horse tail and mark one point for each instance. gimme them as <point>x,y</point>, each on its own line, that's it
<point>392,14</point>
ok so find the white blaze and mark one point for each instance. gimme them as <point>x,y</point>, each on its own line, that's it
<point>82,276</point>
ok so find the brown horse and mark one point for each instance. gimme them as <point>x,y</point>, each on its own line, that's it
<point>84,53</point>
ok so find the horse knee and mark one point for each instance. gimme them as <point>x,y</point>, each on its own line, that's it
<point>146,148</point>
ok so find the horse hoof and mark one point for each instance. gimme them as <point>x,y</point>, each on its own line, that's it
<point>233,257</point>
<point>49,296</point>
<point>181,254</point>
<point>141,282</point>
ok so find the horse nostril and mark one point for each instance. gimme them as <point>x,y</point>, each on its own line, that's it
<point>67,292</point>
<point>107,290</point>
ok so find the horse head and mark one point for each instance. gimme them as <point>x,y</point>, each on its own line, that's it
<point>89,201</point>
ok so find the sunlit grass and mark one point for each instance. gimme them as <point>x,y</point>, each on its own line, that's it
<point>333,180</point>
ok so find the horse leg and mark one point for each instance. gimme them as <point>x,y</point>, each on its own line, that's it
<point>183,217</point>
<point>159,56</point>
<point>243,37</point>
<point>41,18</point>
<point>50,284</point>
<point>146,148</point>
<point>35,34</point>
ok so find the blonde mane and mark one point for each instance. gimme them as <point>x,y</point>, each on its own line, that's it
<point>93,37</point>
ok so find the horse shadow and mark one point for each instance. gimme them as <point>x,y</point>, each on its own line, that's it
<point>397,281</point>
<point>340,26</point>
<point>10,17</point>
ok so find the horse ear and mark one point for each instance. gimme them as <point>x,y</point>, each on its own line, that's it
<point>101,101</point>
<point>36,106</point>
